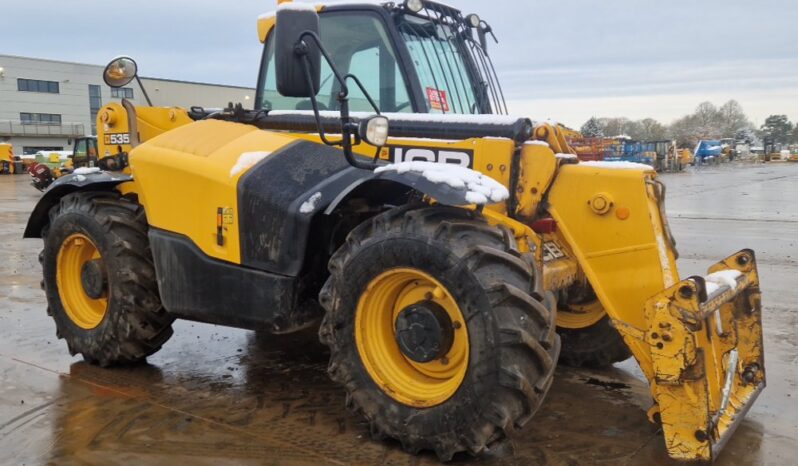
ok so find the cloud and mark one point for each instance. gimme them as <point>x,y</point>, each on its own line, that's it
<point>655,78</point>
<point>197,40</point>
<point>571,57</point>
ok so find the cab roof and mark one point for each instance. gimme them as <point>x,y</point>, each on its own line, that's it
<point>266,20</point>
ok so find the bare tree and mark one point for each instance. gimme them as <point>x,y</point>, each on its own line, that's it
<point>707,121</point>
<point>592,128</point>
<point>732,118</point>
<point>651,130</point>
<point>684,131</point>
<point>615,126</point>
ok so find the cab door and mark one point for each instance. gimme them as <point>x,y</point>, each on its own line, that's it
<point>361,44</point>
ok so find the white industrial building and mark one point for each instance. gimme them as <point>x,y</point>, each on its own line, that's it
<point>44,104</point>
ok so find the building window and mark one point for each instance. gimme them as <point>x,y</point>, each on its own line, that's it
<point>35,85</point>
<point>95,103</point>
<point>122,92</point>
<point>40,119</point>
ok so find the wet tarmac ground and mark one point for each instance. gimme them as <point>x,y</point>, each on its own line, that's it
<point>217,396</point>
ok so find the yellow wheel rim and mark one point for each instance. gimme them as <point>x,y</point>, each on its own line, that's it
<point>576,316</point>
<point>84,311</point>
<point>416,384</point>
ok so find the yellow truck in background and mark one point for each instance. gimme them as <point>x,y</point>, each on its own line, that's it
<point>9,163</point>
<point>685,157</point>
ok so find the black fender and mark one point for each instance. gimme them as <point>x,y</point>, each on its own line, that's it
<point>279,198</point>
<point>92,181</point>
<point>442,193</point>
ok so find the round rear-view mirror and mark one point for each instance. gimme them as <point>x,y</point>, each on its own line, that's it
<point>120,71</point>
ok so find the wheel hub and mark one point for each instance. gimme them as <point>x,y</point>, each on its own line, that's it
<point>82,281</point>
<point>92,277</point>
<point>418,356</point>
<point>424,331</point>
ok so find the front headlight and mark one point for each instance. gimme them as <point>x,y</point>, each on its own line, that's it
<point>374,130</point>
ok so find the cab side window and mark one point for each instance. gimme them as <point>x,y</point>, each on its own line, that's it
<point>358,44</point>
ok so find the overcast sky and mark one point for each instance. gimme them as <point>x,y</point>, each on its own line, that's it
<point>565,60</point>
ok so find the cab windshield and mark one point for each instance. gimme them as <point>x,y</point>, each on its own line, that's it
<point>454,73</point>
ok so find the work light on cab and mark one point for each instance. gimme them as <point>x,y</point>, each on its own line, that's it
<point>414,5</point>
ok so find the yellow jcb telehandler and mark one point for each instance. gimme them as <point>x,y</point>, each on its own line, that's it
<point>453,254</point>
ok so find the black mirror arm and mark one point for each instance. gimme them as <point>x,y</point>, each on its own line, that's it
<point>144,91</point>
<point>489,30</point>
<point>346,121</point>
<point>347,127</point>
<point>365,93</point>
<point>483,41</point>
<point>315,105</point>
<point>376,108</point>
<point>301,49</point>
<point>483,30</point>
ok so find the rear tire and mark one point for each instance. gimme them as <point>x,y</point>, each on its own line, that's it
<point>513,348</point>
<point>133,324</point>
<point>597,346</point>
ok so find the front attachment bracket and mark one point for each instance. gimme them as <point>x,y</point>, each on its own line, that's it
<point>705,341</point>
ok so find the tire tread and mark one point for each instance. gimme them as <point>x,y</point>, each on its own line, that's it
<point>527,344</point>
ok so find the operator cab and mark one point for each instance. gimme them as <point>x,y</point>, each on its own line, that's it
<point>430,59</point>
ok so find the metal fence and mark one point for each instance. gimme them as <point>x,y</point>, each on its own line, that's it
<point>17,128</point>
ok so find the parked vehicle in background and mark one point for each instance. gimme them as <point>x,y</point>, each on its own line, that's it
<point>686,157</point>
<point>624,149</point>
<point>84,152</point>
<point>708,151</point>
<point>669,158</point>
<point>9,163</point>
<point>49,166</point>
<point>728,149</point>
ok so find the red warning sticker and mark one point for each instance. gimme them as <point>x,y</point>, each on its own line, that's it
<point>437,99</point>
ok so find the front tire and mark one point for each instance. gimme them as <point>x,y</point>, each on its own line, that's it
<point>492,379</point>
<point>100,280</point>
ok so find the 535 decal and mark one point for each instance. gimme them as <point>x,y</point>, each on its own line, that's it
<point>118,138</point>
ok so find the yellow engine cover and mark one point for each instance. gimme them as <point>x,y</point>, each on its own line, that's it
<point>184,176</point>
